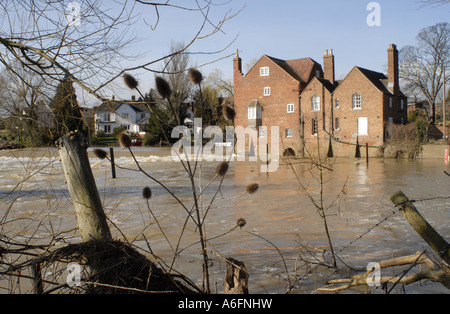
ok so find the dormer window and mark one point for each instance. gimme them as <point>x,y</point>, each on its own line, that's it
<point>264,71</point>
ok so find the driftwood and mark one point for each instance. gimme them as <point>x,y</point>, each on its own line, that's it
<point>430,271</point>
<point>436,271</point>
<point>236,278</point>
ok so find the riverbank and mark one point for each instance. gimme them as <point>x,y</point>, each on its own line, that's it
<point>10,145</point>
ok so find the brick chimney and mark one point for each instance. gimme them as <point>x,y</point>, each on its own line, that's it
<point>237,64</point>
<point>328,66</point>
<point>393,77</point>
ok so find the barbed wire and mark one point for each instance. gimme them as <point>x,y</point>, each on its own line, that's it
<point>394,212</point>
<point>369,230</point>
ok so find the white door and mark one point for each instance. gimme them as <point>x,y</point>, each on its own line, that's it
<point>362,126</point>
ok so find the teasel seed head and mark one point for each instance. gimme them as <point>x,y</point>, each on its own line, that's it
<point>195,76</point>
<point>130,81</point>
<point>147,193</point>
<point>241,222</point>
<point>229,113</point>
<point>124,140</point>
<point>222,169</point>
<point>100,153</point>
<point>163,87</point>
<point>252,188</point>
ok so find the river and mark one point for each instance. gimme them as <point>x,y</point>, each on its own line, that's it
<point>280,217</point>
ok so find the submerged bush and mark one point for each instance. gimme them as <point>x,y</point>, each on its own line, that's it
<point>403,141</point>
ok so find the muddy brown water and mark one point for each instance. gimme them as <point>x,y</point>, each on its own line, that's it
<point>280,216</point>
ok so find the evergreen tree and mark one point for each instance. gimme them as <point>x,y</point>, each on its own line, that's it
<point>66,109</point>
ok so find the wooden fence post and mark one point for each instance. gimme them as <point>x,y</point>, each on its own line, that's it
<point>367,154</point>
<point>38,286</point>
<point>113,165</point>
<point>82,188</point>
<point>422,227</point>
<point>358,151</point>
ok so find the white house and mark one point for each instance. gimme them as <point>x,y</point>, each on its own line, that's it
<point>132,116</point>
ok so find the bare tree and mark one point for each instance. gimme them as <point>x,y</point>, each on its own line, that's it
<point>224,86</point>
<point>422,66</point>
<point>87,41</point>
<point>439,2</point>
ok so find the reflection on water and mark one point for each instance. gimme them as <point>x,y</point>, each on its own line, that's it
<point>34,199</point>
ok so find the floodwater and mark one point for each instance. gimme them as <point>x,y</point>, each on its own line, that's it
<point>281,219</point>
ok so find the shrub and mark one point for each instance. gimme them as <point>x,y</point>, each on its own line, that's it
<point>402,141</point>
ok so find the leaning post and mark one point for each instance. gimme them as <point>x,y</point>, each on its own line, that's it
<point>91,218</point>
<point>421,226</point>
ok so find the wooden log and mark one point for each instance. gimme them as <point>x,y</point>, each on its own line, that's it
<point>422,227</point>
<point>91,218</point>
<point>236,278</point>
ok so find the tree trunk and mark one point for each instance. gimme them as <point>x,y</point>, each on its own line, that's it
<point>236,279</point>
<point>82,188</point>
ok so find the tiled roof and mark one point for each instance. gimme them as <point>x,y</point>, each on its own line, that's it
<point>299,69</point>
<point>303,67</point>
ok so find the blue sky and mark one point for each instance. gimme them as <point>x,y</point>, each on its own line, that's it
<point>288,29</point>
<point>296,29</point>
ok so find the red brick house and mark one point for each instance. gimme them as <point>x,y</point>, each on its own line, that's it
<point>311,107</point>
<point>269,96</point>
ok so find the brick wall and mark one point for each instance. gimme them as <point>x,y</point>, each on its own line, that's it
<point>322,117</point>
<point>372,100</point>
<point>284,90</point>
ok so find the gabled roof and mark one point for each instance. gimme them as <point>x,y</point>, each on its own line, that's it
<point>376,78</point>
<point>299,69</point>
<point>327,84</point>
<point>108,106</point>
<point>113,106</point>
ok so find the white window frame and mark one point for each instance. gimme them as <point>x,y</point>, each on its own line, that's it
<point>261,133</point>
<point>315,103</point>
<point>336,106</point>
<point>267,91</point>
<point>290,108</point>
<point>254,112</point>
<point>356,101</point>
<point>264,71</point>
